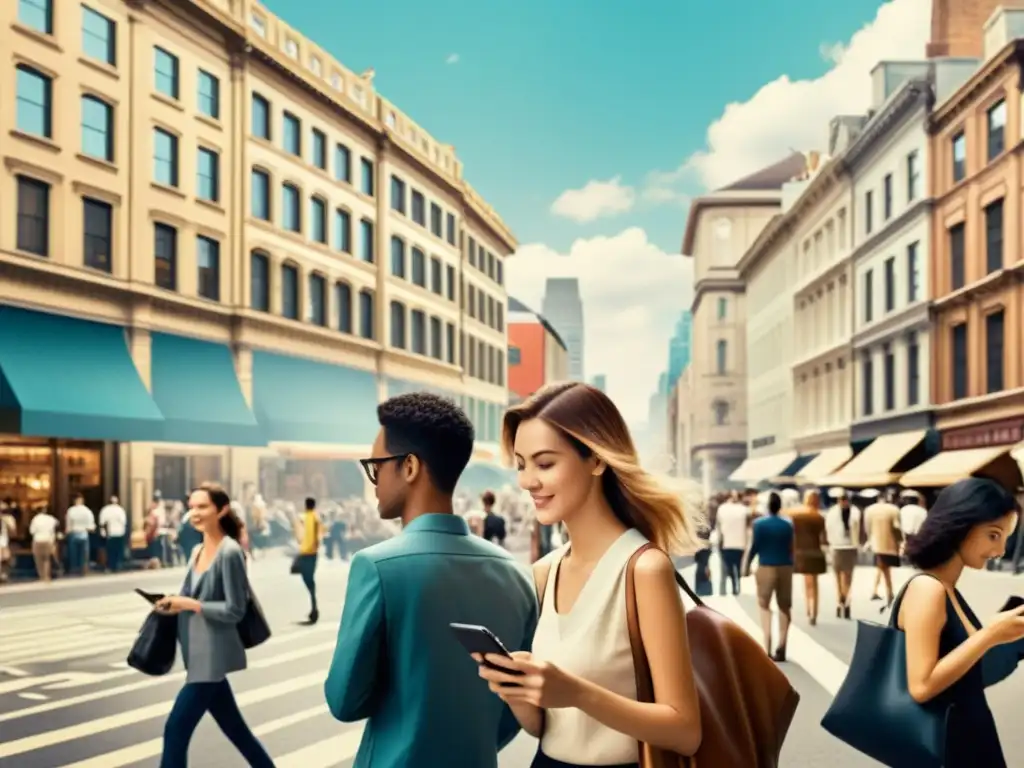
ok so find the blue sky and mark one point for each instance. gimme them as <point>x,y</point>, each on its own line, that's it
<point>648,106</point>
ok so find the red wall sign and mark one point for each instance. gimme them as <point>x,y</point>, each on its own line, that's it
<point>992,434</point>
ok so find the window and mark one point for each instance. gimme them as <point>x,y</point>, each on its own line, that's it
<point>994,352</point>
<point>419,268</point>
<point>208,175</point>
<point>994,236</point>
<point>97,129</point>
<point>720,409</point>
<point>867,383</point>
<point>343,306</point>
<point>913,274</point>
<point>342,231</point>
<point>366,176</point>
<point>959,156</point>
<point>290,291</point>
<point>450,229</point>
<point>419,332</point>
<point>291,135</point>
<point>450,273</point>
<point>317,299</point>
<point>436,351</point>
<point>397,257</point>
<point>913,176</point>
<point>723,307</point>
<point>342,164</point>
<point>319,149</point>
<point>397,194</point>
<point>498,276</point>
<point>36,14</point>
<point>887,197</point>
<point>165,158</point>
<point>435,219</point>
<point>366,320</point>
<point>869,297</point>
<point>913,371</point>
<point>419,208</point>
<point>166,73</point>
<point>436,275</point>
<point>33,216</point>
<point>165,257</point>
<point>259,281</point>
<point>959,344</point>
<point>515,356</point>
<point>397,325</point>
<point>366,246</point>
<point>208,263</point>
<point>956,257</point>
<point>208,97</point>
<point>291,208</point>
<point>869,210</point>
<point>260,117</point>
<point>721,354</point>
<point>995,120</point>
<point>889,378</point>
<point>99,36</point>
<point>35,102</point>
<point>260,195</point>
<point>890,284</point>
<point>97,234</point>
<point>317,220</point>
<point>449,332</point>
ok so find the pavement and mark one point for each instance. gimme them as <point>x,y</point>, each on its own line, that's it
<point>67,698</point>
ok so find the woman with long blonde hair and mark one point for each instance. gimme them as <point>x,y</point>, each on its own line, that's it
<point>576,692</point>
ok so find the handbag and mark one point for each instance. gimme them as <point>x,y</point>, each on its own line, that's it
<point>873,711</point>
<point>746,703</point>
<point>296,566</point>
<point>253,629</point>
<point>155,647</point>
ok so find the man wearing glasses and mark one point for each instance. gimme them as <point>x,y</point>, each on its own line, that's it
<point>396,661</point>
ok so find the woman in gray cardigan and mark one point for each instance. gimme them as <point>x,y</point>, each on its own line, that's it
<point>212,601</point>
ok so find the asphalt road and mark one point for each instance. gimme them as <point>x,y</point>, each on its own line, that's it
<point>67,699</point>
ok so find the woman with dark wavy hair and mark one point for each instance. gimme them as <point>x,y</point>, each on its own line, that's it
<point>967,526</point>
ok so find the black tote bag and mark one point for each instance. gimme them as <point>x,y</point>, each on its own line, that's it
<point>253,629</point>
<point>873,711</point>
<point>156,645</point>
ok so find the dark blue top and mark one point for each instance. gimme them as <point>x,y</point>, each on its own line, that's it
<point>772,541</point>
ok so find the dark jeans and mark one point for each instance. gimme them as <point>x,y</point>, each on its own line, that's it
<point>78,552</point>
<point>732,559</point>
<point>115,553</point>
<point>195,700</point>
<point>307,570</point>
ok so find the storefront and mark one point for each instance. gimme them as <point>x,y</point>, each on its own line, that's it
<point>991,449</point>
<point>882,462</point>
<point>756,469</point>
<point>823,464</point>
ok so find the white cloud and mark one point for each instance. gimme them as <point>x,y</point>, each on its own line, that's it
<point>596,200</point>
<point>790,114</point>
<point>632,295</point>
<point>453,58</point>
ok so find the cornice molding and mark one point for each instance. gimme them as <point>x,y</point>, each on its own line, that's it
<point>912,96</point>
<point>965,97</point>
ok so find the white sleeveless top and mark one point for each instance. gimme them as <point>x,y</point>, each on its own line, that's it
<point>590,641</point>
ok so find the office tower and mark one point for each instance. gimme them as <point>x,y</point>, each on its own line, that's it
<point>563,308</point>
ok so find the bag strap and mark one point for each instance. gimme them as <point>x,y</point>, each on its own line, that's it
<point>894,613</point>
<point>540,583</point>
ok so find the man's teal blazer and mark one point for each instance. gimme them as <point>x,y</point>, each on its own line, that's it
<point>397,662</point>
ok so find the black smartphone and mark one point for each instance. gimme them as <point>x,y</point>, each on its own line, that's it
<point>1012,602</point>
<point>479,639</point>
<point>152,597</point>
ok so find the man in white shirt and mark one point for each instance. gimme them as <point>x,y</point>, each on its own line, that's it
<point>78,524</point>
<point>114,526</point>
<point>43,530</point>
<point>732,523</point>
<point>912,513</point>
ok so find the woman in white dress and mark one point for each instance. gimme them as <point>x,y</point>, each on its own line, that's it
<point>576,691</point>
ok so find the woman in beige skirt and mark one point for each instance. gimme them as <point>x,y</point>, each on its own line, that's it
<point>809,549</point>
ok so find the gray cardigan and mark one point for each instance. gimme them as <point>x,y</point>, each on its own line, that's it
<point>210,645</point>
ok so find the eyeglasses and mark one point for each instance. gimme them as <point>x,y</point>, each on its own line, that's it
<point>372,466</point>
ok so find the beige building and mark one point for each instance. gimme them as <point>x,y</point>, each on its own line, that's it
<point>720,228</point>
<point>220,249</point>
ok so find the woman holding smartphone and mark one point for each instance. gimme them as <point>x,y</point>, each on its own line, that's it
<point>213,600</point>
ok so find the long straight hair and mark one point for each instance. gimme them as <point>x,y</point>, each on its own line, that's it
<point>591,423</point>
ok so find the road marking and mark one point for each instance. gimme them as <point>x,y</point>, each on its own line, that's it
<point>33,696</point>
<point>323,754</point>
<point>141,714</point>
<point>13,672</point>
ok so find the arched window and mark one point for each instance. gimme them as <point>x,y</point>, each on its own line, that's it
<point>290,291</point>
<point>343,306</point>
<point>367,326</point>
<point>721,410</point>
<point>259,281</point>
<point>397,325</point>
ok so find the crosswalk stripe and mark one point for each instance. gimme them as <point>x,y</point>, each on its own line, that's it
<point>141,714</point>
<point>323,754</point>
<point>71,648</point>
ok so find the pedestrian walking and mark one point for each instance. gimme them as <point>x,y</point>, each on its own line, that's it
<point>882,525</point>
<point>43,530</point>
<point>210,605</point>
<point>79,524</point>
<point>310,532</point>
<point>494,524</point>
<point>843,534</point>
<point>113,522</point>
<point>809,549</point>
<point>771,542</point>
<point>732,521</point>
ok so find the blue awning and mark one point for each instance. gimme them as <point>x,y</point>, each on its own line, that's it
<point>196,389</point>
<point>789,473</point>
<point>74,379</point>
<point>305,401</point>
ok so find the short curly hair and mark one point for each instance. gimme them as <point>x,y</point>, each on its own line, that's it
<point>433,428</point>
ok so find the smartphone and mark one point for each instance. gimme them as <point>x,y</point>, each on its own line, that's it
<point>152,597</point>
<point>1012,602</point>
<point>479,639</point>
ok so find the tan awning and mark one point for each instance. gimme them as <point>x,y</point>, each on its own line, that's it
<point>758,468</point>
<point>824,464</point>
<point>949,466</point>
<point>873,466</point>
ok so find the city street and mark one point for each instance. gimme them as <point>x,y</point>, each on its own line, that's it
<point>67,698</point>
